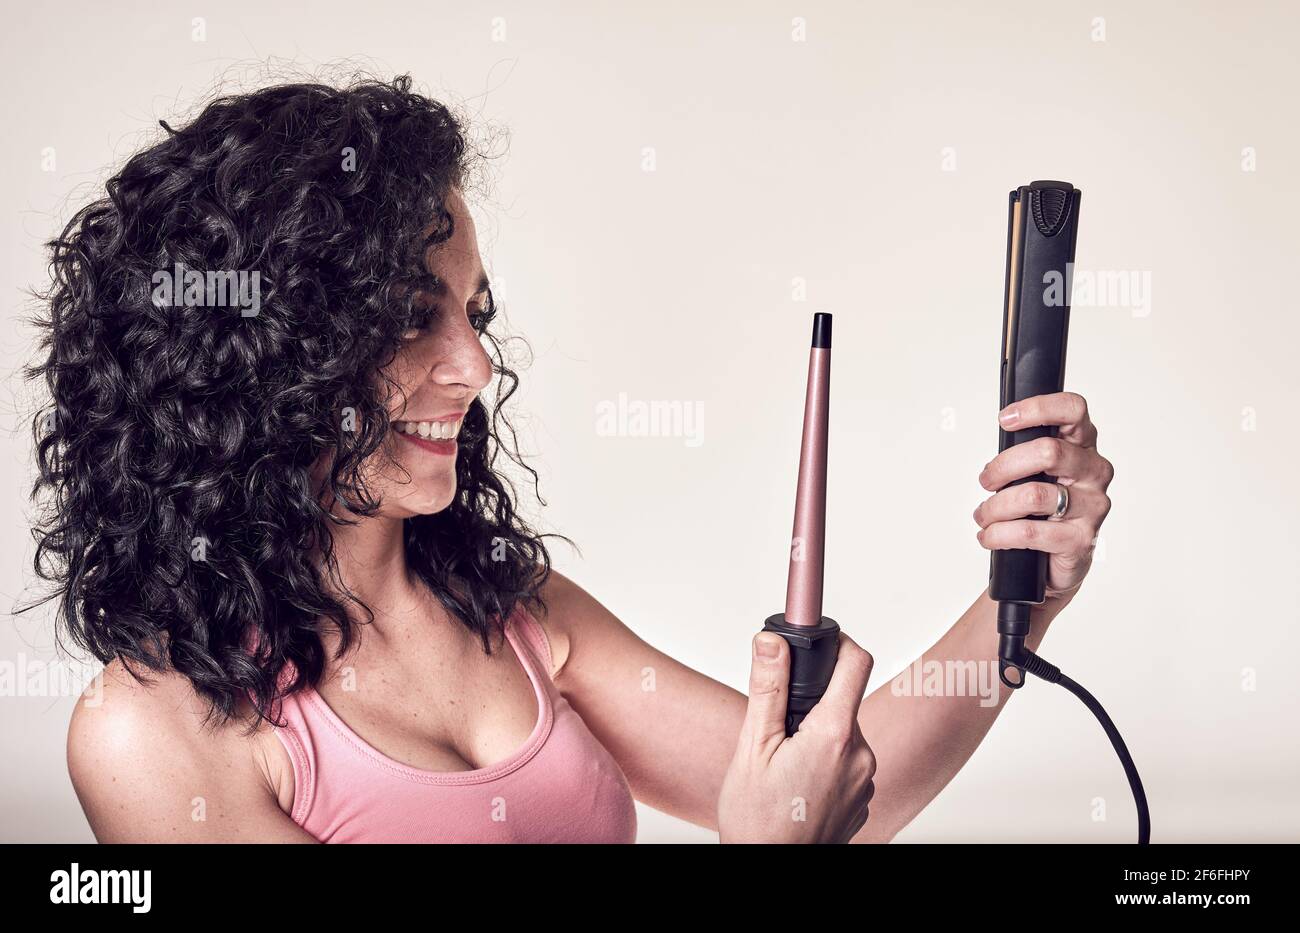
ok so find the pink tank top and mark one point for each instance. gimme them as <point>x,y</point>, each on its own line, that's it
<point>561,786</point>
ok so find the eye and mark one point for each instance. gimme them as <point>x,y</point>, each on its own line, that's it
<point>481,317</point>
<point>480,320</point>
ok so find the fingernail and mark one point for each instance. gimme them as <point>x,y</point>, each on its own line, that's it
<point>765,647</point>
<point>1009,416</point>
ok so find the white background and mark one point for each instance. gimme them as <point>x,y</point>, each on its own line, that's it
<point>823,160</point>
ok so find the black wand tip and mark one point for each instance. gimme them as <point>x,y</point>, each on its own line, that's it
<point>821,330</point>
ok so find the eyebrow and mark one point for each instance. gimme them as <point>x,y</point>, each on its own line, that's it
<point>483,285</point>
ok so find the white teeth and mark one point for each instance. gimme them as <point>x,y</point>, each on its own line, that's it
<point>434,430</point>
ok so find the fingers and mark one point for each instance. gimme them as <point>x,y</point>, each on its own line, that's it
<point>1073,538</point>
<point>1067,410</point>
<point>769,681</point>
<point>1010,519</point>
<point>839,705</point>
<point>1040,499</point>
<point>1054,456</point>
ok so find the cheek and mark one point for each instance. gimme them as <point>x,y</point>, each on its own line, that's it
<point>401,381</point>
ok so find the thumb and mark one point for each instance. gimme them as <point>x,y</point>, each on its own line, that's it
<point>769,682</point>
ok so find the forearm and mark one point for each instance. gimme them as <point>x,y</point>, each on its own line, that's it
<point>926,723</point>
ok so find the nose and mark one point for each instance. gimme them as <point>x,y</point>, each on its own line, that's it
<point>461,360</point>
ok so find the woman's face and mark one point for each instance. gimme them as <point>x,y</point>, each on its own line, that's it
<point>438,372</point>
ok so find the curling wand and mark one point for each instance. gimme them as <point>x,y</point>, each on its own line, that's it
<point>813,638</point>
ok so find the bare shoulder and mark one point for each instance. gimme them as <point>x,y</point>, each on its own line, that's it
<point>575,618</point>
<point>148,766</point>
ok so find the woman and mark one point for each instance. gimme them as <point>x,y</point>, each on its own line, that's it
<point>273,515</point>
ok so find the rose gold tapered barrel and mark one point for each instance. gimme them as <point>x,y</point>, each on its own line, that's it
<point>803,593</point>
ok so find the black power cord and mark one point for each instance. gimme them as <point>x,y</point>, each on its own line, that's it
<point>1013,653</point>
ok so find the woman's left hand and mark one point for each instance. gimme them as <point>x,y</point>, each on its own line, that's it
<point>1073,459</point>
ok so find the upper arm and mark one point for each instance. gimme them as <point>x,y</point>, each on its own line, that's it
<point>671,729</point>
<point>146,769</point>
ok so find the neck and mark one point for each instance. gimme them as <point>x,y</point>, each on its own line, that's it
<point>371,560</point>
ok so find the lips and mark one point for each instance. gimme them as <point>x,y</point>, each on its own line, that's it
<point>444,448</point>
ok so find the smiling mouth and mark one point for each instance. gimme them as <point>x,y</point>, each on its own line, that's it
<point>430,430</point>
<point>437,437</point>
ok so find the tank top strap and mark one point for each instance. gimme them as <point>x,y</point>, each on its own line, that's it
<point>533,637</point>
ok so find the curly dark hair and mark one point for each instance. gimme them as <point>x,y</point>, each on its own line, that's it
<point>169,425</point>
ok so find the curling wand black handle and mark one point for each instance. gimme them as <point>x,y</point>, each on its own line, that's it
<point>813,649</point>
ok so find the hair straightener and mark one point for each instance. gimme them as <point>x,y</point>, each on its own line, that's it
<point>813,638</point>
<point>1042,226</point>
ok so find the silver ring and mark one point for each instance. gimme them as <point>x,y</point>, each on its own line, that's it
<point>1062,504</point>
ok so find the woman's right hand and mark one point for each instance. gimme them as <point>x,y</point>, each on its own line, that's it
<point>813,786</point>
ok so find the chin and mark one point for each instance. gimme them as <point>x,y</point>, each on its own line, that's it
<point>418,486</point>
<point>432,497</point>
